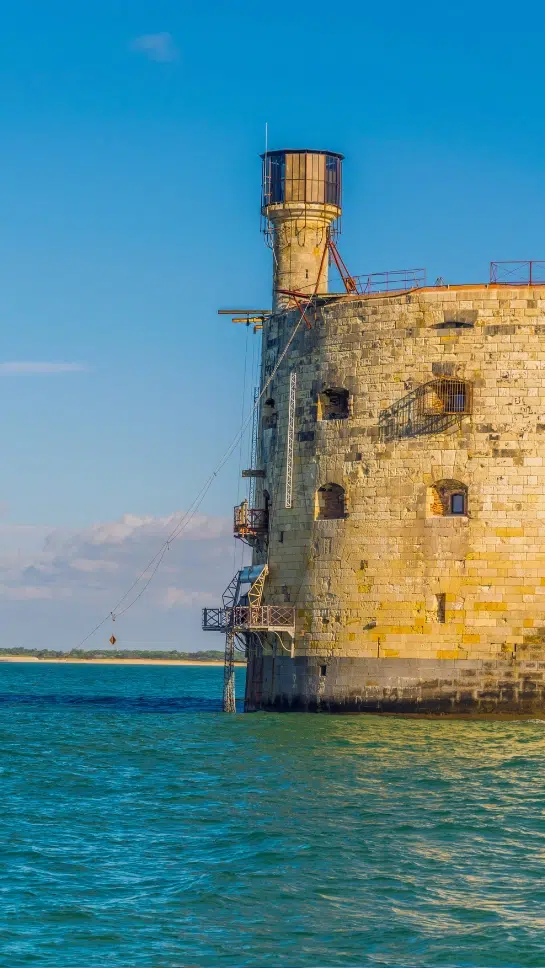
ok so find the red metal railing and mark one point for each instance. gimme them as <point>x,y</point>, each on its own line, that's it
<point>527,272</point>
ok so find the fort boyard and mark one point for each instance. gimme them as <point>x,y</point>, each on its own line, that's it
<point>396,506</point>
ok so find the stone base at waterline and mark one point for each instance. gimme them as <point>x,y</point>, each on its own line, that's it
<point>464,687</point>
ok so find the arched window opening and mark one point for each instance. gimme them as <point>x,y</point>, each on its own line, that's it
<point>270,415</point>
<point>333,404</point>
<point>448,499</point>
<point>331,504</point>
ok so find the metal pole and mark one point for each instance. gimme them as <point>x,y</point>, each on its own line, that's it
<point>229,705</point>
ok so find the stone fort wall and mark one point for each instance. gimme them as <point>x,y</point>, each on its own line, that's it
<point>398,577</point>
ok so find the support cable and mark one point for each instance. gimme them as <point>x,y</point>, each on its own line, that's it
<point>188,516</point>
<point>242,409</point>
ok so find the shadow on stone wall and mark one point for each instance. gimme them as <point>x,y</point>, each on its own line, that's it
<point>410,417</point>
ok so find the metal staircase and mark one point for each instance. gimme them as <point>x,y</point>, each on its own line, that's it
<point>242,615</point>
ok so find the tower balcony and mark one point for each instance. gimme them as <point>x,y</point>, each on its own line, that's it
<point>250,618</point>
<point>250,524</point>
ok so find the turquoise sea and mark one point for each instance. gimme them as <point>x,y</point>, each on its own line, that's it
<point>142,827</point>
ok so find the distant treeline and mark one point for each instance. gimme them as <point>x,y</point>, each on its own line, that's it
<point>210,655</point>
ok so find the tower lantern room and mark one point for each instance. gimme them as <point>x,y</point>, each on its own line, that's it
<point>301,201</point>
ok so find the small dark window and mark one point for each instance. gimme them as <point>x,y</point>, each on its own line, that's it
<point>458,503</point>
<point>274,176</point>
<point>449,498</point>
<point>323,670</point>
<point>441,608</point>
<point>333,404</point>
<point>332,180</point>
<point>270,415</point>
<point>281,537</point>
<point>331,502</point>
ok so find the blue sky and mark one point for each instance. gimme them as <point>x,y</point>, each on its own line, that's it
<point>130,212</point>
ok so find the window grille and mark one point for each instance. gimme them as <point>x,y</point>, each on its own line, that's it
<point>430,408</point>
<point>446,396</point>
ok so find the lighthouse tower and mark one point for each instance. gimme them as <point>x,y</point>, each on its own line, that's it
<point>301,202</point>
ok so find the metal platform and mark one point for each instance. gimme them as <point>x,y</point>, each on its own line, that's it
<point>250,524</point>
<point>250,618</point>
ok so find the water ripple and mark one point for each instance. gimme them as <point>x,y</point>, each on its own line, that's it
<point>141,828</point>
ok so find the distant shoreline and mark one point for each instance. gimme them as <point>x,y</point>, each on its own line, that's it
<point>73,661</point>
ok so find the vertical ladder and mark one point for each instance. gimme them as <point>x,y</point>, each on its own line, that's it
<point>291,434</point>
<point>253,454</point>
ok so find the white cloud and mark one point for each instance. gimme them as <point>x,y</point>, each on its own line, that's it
<point>88,565</point>
<point>103,560</point>
<point>28,367</point>
<point>156,47</point>
<point>57,584</point>
<point>180,598</point>
<point>12,593</point>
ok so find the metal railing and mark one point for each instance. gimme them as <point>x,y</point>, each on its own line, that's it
<point>250,521</point>
<point>526,272</point>
<point>428,409</point>
<point>248,617</point>
<point>397,280</point>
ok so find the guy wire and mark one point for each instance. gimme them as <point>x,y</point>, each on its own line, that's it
<point>193,508</point>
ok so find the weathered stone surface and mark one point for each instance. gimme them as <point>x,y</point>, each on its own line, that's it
<point>489,564</point>
<point>395,686</point>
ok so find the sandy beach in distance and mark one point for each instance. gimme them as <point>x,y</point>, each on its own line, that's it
<point>166,662</point>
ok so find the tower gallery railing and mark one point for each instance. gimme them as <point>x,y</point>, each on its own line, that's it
<point>250,522</point>
<point>249,617</point>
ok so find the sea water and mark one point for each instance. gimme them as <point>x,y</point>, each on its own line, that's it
<point>140,826</point>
